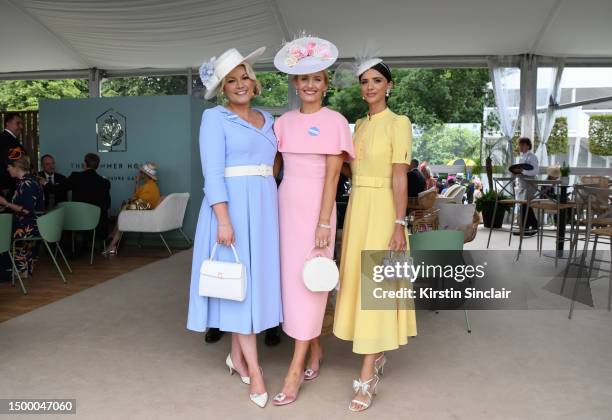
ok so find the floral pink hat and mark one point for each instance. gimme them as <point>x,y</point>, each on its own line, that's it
<point>306,55</point>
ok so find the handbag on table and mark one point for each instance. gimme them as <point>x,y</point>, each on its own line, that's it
<point>320,273</point>
<point>223,279</point>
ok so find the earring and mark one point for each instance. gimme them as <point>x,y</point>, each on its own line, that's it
<point>388,91</point>
<point>363,97</point>
<point>296,92</point>
<point>324,94</point>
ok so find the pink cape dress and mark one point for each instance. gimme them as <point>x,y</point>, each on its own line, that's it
<point>304,141</point>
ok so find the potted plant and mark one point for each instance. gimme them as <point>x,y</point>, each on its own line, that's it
<point>565,171</point>
<point>490,146</point>
<point>486,204</point>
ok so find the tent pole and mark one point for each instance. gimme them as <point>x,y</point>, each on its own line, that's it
<point>94,82</point>
<point>529,80</point>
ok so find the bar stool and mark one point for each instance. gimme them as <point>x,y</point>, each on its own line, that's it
<point>599,199</point>
<point>542,197</point>
<point>505,186</point>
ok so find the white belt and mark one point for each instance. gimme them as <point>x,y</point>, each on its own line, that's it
<point>253,170</point>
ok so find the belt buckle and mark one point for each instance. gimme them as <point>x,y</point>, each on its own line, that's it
<point>261,170</point>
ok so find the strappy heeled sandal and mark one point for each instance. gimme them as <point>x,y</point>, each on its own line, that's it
<point>379,364</point>
<point>365,388</point>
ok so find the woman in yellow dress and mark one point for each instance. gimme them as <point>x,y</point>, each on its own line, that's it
<point>146,194</point>
<point>375,220</point>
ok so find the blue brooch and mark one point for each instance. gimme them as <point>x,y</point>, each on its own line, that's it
<point>314,131</point>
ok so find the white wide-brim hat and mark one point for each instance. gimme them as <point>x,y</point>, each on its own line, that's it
<point>214,70</point>
<point>150,169</point>
<point>306,55</point>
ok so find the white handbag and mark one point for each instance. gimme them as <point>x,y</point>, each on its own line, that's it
<point>320,273</point>
<point>223,279</point>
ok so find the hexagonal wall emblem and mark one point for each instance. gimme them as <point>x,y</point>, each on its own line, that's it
<point>111,130</point>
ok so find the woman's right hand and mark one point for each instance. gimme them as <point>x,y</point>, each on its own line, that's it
<point>225,234</point>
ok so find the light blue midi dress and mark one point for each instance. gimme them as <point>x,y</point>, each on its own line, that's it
<point>227,140</point>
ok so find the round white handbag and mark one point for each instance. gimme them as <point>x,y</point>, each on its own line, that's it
<point>320,273</point>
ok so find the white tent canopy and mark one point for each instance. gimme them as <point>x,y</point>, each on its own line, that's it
<point>128,35</point>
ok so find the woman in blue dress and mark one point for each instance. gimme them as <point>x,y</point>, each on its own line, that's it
<point>237,148</point>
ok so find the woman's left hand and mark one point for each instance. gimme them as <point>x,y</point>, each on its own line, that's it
<point>322,237</point>
<point>398,239</point>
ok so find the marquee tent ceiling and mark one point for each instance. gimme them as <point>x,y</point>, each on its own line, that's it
<point>41,35</point>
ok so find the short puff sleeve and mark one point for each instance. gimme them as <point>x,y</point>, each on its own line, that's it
<point>401,142</point>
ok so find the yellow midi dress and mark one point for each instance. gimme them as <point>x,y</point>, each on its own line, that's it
<point>380,140</point>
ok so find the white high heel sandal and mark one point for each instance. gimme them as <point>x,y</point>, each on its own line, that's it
<point>232,369</point>
<point>379,364</point>
<point>365,388</point>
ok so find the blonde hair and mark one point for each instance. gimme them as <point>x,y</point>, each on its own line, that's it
<point>22,163</point>
<point>250,73</point>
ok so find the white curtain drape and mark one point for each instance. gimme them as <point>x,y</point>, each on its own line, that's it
<point>549,92</point>
<point>505,77</point>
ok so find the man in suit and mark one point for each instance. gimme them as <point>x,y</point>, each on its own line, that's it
<point>416,180</point>
<point>55,186</point>
<point>89,187</point>
<point>10,146</point>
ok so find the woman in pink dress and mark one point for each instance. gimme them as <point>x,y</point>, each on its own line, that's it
<point>314,142</point>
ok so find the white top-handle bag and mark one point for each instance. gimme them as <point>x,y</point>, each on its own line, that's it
<point>320,273</point>
<point>223,279</point>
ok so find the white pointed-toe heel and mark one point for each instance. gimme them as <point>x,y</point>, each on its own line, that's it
<point>232,369</point>
<point>260,399</point>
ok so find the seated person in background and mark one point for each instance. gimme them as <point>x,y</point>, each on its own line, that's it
<point>54,185</point>
<point>430,182</point>
<point>27,200</point>
<point>145,197</point>
<point>416,180</point>
<point>89,187</point>
<point>450,181</point>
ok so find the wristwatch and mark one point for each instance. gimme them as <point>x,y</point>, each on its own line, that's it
<point>401,222</point>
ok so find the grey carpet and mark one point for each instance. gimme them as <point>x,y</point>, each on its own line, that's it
<point>122,350</point>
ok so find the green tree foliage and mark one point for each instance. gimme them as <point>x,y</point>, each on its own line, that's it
<point>439,144</point>
<point>23,95</point>
<point>427,96</point>
<point>145,86</point>
<point>273,89</point>
<point>348,102</point>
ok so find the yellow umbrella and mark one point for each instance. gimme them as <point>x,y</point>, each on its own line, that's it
<point>466,162</point>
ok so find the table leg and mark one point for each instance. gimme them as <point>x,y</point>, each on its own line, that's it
<point>562,221</point>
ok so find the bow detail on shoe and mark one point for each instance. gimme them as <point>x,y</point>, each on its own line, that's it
<point>363,387</point>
